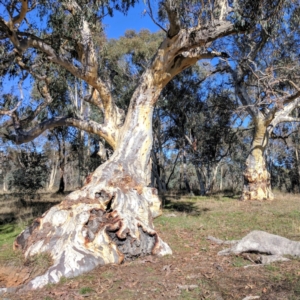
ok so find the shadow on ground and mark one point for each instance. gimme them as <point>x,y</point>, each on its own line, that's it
<point>187,207</point>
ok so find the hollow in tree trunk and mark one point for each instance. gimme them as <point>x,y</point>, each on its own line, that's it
<point>257,183</point>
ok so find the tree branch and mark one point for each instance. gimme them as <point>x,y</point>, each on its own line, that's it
<point>173,16</point>
<point>94,99</point>
<point>282,119</point>
<point>85,50</point>
<point>189,58</point>
<point>11,112</point>
<point>152,18</point>
<point>111,110</point>
<point>204,35</point>
<point>20,17</point>
<point>21,136</point>
<point>238,79</point>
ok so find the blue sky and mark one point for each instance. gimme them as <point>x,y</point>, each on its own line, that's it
<point>114,28</point>
<point>135,19</point>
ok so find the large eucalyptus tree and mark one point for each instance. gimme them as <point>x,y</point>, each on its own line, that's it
<point>111,217</point>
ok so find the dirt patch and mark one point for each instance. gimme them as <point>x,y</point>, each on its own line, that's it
<point>12,276</point>
<point>194,271</point>
<point>209,276</point>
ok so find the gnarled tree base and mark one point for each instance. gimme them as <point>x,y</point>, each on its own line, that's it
<point>102,223</point>
<point>257,184</point>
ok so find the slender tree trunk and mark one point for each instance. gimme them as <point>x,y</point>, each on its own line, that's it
<point>257,185</point>
<point>172,171</point>
<point>296,147</point>
<point>200,181</point>
<point>61,187</point>
<point>221,178</point>
<point>52,174</point>
<point>185,179</point>
<point>156,176</point>
<point>5,189</point>
<point>212,177</point>
<point>297,167</point>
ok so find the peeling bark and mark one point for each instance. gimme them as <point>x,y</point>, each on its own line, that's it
<point>108,221</point>
<point>257,184</point>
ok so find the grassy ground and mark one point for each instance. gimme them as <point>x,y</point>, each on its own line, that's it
<point>194,271</point>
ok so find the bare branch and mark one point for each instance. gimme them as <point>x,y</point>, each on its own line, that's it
<point>11,112</point>
<point>284,138</point>
<point>173,16</point>
<point>24,9</point>
<point>150,13</point>
<point>277,113</point>
<point>287,119</point>
<point>88,126</point>
<point>289,98</point>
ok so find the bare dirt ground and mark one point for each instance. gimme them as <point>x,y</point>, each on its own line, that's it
<point>194,271</point>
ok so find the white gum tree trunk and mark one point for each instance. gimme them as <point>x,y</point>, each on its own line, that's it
<point>110,219</point>
<point>53,173</point>
<point>257,180</point>
<point>257,184</point>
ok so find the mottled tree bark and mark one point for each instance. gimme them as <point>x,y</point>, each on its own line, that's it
<point>109,220</point>
<point>257,184</point>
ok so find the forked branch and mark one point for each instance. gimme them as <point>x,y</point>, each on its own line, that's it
<point>173,16</point>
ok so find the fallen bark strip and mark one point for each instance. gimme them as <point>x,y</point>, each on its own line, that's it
<point>273,247</point>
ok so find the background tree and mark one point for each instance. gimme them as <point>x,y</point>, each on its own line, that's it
<point>265,80</point>
<point>32,172</point>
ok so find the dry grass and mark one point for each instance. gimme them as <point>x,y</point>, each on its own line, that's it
<point>195,260</point>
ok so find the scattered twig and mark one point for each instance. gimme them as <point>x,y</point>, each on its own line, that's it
<point>251,297</point>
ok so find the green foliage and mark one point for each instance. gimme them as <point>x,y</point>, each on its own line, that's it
<point>126,58</point>
<point>32,173</point>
